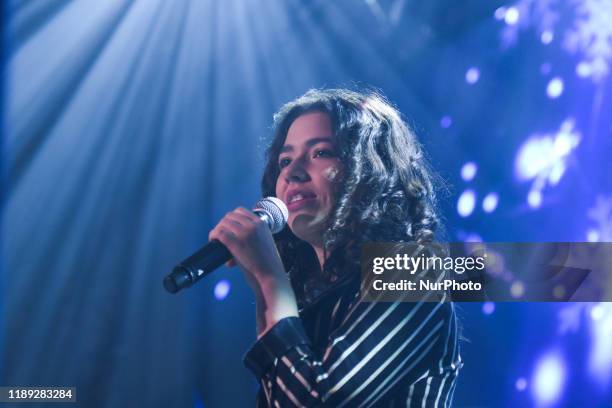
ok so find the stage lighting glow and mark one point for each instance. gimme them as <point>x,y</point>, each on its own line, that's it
<point>488,308</point>
<point>533,157</point>
<point>548,379</point>
<point>597,312</point>
<point>543,158</point>
<point>534,198</point>
<point>601,215</point>
<point>468,171</point>
<point>489,204</point>
<point>517,289</point>
<point>500,13</point>
<point>565,141</point>
<point>591,35</point>
<point>592,235</point>
<point>600,357</point>
<point>222,289</point>
<point>473,237</point>
<point>511,17</point>
<point>446,122</point>
<point>546,37</point>
<point>559,291</point>
<point>570,317</point>
<point>583,69</point>
<point>472,75</point>
<point>495,263</point>
<point>555,88</point>
<point>556,173</point>
<point>521,384</point>
<point>545,68</point>
<point>466,203</point>
<point>464,236</point>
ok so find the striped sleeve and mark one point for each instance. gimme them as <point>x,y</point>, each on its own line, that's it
<point>380,350</point>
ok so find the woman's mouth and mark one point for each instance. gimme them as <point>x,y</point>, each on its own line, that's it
<point>299,200</point>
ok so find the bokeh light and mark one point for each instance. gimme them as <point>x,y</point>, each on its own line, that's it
<point>466,203</point>
<point>548,379</point>
<point>600,358</point>
<point>468,171</point>
<point>521,384</point>
<point>488,308</point>
<point>489,203</point>
<point>546,37</point>
<point>222,289</point>
<point>554,89</point>
<point>472,75</point>
<point>511,17</point>
<point>446,122</point>
<point>534,198</point>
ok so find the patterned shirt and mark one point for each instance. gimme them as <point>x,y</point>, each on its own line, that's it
<point>345,352</point>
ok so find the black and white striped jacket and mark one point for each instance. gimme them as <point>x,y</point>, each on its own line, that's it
<point>344,352</point>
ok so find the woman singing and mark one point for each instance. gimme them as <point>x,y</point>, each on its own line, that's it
<point>350,171</point>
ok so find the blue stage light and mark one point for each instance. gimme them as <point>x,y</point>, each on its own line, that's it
<point>512,15</point>
<point>446,122</point>
<point>472,75</point>
<point>489,204</point>
<point>555,88</point>
<point>546,37</point>
<point>500,13</point>
<point>533,157</point>
<point>583,69</point>
<point>548,379</point>
<point>466,203</point>
<point>222,289</point>
<point>468,171</point>
<point>521,384</point>
<point>600,358</point>
<point>534,198</point>
<point>488,308</point>
<point>592,235</point>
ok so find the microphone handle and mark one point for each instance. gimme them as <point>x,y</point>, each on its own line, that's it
<point>198,265</point>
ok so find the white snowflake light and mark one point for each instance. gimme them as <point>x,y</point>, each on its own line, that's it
<point>543,14</point>
<point>600,359</point>
<point>591,35</point>
<point>601,214</point>
<point>555,88</point>
<point>543,159</point>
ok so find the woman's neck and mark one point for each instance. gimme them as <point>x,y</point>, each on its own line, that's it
<point>320,254</point>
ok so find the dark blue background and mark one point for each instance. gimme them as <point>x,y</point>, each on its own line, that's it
<point>131,127</point>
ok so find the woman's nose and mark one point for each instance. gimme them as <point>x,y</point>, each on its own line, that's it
<point>297,172</point>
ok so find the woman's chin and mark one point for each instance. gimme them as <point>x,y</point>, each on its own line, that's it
<point>307,226</point>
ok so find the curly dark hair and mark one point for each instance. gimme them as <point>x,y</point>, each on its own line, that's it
<point>386,193</point>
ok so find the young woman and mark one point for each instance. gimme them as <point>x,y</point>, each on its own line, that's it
<point>350,171</point>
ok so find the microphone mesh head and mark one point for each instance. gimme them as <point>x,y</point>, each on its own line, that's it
<point>277,209</point>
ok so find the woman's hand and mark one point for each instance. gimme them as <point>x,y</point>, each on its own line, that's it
<point>250,241</point>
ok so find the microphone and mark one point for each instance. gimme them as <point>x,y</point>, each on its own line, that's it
<point>214,254</point>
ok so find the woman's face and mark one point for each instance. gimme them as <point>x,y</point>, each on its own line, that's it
<point>309,175</point>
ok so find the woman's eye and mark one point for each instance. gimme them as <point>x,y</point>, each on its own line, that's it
<point>324,153</point>
<point>284,162</point>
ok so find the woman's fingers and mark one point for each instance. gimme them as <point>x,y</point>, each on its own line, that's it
<point>229,224</point>
<point>224,234</point>
<point>246,214</point>
<point>227,238</point>
<point>250,242</point>
<point>234,227</point>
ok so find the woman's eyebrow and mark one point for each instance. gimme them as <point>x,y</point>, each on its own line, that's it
<point>309,142</point>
